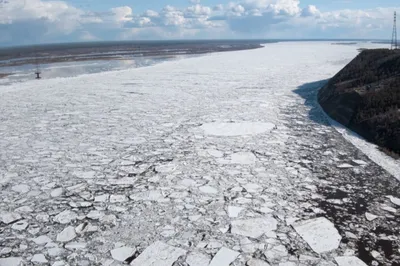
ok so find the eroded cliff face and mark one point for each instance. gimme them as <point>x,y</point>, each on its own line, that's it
<point>365,97</point>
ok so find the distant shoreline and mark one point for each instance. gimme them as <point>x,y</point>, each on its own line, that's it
<point>58,53</point>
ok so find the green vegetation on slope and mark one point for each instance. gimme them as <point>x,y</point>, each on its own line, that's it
<point>365,96</point>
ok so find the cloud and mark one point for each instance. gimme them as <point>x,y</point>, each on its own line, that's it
<point>197,11</point>
<point>151,14</point>
<point>33,21</point>
<point>87,36</point>
<point>254,18</point>
<point>310,11</point>
<point>122,14</point>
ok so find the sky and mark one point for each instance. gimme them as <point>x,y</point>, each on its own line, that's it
<point>24,22</point>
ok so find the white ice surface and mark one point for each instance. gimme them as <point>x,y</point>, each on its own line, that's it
<point>198,259</point>
<point>254,228</point>
<point>158,254</point>
<point>394,200</point>
<point>66,235</point>
<point>319,233</point>
<point>243,158</point>
<point>224,257</point>
<point>13,261</point>
<point>237,129</point>
<point>166,137</point>
<point>349,261</point>
<point>122,253</point>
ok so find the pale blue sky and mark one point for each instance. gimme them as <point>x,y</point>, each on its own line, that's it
<point>43,21</point>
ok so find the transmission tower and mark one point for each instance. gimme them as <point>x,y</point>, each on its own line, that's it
<point>394,34</point>
<point>37,70</point>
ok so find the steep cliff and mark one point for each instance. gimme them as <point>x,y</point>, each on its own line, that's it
<point>365,97</point>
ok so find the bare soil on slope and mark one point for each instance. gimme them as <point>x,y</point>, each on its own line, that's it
<point>365,97</point>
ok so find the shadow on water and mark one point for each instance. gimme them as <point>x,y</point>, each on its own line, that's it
<point>358,199</point>
<point>309,92</point>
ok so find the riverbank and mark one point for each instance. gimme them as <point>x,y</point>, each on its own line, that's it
<point>365,97</point>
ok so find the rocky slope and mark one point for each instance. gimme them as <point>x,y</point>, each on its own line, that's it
<point>365,97</point>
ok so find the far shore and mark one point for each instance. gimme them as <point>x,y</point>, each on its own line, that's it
<point>49,55</point>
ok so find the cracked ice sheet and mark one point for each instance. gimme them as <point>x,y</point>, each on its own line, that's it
<point>88,139</point>
<point>237,129</point>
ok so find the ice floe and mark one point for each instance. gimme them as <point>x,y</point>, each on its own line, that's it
<point>12,261</point>
<point>349,261</point>
<point>159,254</point>
<point>394,200</point>
<point>122,253</point>
<point>254,228</point>
<point>370,216</point>
<point>234,211</point>
<point>208,190</point>
<point>39,259</point>
<point>243,158</point>
<point>224,257</point>
<point>237,128</point>
<point>9,217</point>
<point>67,234</point>
<point>197,259</point>
<point>320,234</point>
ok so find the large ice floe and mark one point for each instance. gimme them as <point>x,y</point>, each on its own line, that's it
<point>221,160</point>
<point>319,233</point>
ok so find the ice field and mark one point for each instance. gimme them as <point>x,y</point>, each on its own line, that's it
<point>223,159</point>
